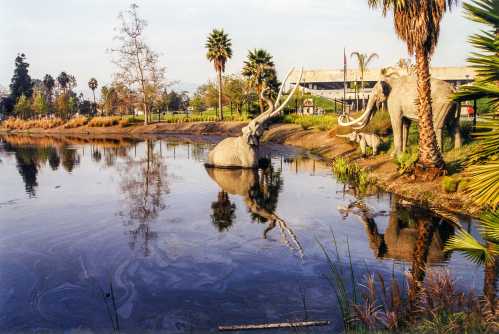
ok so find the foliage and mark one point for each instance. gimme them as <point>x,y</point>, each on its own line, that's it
<point>219,48</point>
<point>235,89</point>
<point>260,71</point>
<point>76,122</point>
<point>406,161</point>
<point>40,105</point>
<point>197,103</point>
<point>21,83</point>
<point>23,107</point>
<point>103,121</point>
<point>138,65</point>
<point>450,184</point>
<point>44,123</point>
<point>351,173</point>
<point>48,84</point>
<point>311,121</point>
<point>124,122</point>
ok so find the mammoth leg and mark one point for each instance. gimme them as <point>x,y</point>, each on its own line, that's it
<point>458,140</point>
<point>363,146</point>
<point>438,133</point>
<point>397,135</point>
<point>406,124</point>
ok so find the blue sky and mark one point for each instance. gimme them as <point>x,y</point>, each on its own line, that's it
<point>73,35</point>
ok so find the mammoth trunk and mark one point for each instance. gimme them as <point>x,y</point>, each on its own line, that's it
<point>429,153</point>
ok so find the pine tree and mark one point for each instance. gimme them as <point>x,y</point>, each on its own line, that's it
<point>21,83</point>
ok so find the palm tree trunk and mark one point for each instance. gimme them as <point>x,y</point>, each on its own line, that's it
<point>430,156</point>
<point>219,73</point>
<point>93,92</point>
<point>490,283</point>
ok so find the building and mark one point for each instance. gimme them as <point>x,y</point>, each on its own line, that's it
<point>330,83</point>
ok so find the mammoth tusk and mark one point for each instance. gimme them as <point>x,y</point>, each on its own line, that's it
<point>278,110</point>
<point>355,121</point>
<point>291,70</point>
<point>343,136</point>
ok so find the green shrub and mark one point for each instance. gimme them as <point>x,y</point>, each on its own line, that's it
<point>406,161</point>
<point>323,122</point>
<point>353,174</point>
<point>450,184</point>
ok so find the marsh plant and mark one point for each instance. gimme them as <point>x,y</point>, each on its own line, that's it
<point>351,173</point>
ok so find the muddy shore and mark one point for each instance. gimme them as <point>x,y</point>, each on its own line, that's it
<point>322,143</point>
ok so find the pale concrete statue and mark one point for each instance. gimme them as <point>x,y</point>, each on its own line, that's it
<point>400,97</point>
<point>242,151</point>
<point>364,140</point>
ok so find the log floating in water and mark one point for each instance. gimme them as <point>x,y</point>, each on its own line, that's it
<point>274,325</point>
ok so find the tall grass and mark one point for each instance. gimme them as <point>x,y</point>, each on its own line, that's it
<point>323,122</point>
<point>76,122</point>
<point>104,121</point>
<point>351,173</point>
<point>43,123</point>
<point>381,306</point>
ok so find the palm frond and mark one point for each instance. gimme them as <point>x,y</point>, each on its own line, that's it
<point>483,11</point>
<point>490,226</point>
<point>466,244</point>
<point>483,186</point>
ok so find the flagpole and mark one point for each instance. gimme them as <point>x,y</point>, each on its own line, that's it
<point>344,81</point>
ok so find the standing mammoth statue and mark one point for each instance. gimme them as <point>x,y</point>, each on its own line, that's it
<point>400,97</point>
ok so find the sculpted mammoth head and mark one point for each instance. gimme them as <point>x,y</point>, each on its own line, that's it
<point>378,96</point>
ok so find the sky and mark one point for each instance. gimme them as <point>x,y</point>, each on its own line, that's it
<point>74,35</point>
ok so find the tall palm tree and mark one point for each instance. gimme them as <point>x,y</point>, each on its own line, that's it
<point>418,24</point>
<point>63,79</point>
<point>92,84</point>
<point>48,84</point>
<point>219,50</point>
<point>363,60</point>
<point>259,69</point>
<point>483,169</point>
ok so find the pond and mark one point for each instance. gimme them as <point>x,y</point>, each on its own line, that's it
<point>136,235</point>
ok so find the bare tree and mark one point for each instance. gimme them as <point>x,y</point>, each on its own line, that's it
<point>138,66</point>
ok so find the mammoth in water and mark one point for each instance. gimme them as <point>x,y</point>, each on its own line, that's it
<point>252,185</point>
<point>242,151</point>
<point>400,96</point>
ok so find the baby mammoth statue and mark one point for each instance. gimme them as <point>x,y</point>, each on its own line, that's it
<point>364,140</point>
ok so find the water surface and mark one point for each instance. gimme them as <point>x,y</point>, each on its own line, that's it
<point>138,234</point>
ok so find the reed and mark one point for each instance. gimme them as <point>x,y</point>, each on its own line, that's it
<point>104,121</point>
<point>42,123</point>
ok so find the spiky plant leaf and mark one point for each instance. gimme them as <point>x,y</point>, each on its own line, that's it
<point>490,226</point>
<point>466,244</point>
<point>483,186</point>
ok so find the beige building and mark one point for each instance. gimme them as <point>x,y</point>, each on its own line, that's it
<point>330,83</point>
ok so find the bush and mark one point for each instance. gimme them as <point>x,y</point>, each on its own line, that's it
<point>353,174</point>
<point>76,122</point>
<point>324,122</point>
<point>20,124</point>
<point>103,121</point>
<point>406,161</point>
<point>124,122</point>
<point>450,184</point>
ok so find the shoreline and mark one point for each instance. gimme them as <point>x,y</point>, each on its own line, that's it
<point>325,144</point>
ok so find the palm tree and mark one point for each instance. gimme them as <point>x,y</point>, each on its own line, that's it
<point>259,69</point>
<point>418,24</point>
<point>219,50</point>
<point>363,60</point>
<point>63,79</point>
<point>483,169</point>
<point>48,84</point>
<point>92,84</point>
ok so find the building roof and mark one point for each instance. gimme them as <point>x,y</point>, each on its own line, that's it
<point>325,75</point>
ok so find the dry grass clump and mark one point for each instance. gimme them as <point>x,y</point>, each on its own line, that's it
<point>76,122</point>
<point>106,121</point>
<point>43,123</point>
<point>124,122</point>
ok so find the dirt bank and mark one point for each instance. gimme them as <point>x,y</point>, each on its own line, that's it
<point>323,143</point>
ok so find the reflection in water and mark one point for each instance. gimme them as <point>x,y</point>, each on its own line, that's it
<point>403,233</point>
<point>223,212</point>
<point>143,184</point>
<point>260,192</point>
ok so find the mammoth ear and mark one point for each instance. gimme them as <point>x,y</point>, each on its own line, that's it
<point>385,88</point>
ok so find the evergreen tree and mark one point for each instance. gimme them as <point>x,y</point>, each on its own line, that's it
<point>21,83</point>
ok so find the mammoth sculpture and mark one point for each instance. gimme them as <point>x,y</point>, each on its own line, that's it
<point>364,140</point>
<point>400,96</point>
<point>242,151</point>
<point>251,186</point>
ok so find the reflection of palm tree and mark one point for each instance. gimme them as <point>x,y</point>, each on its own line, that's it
<point>143,186</point>
<point>70,158</point>
<point>266,191</point>
<point>248,184</point>
<point>223,212</point>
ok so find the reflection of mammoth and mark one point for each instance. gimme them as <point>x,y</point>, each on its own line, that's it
<point>253,187</point>
<point>401,237</point>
